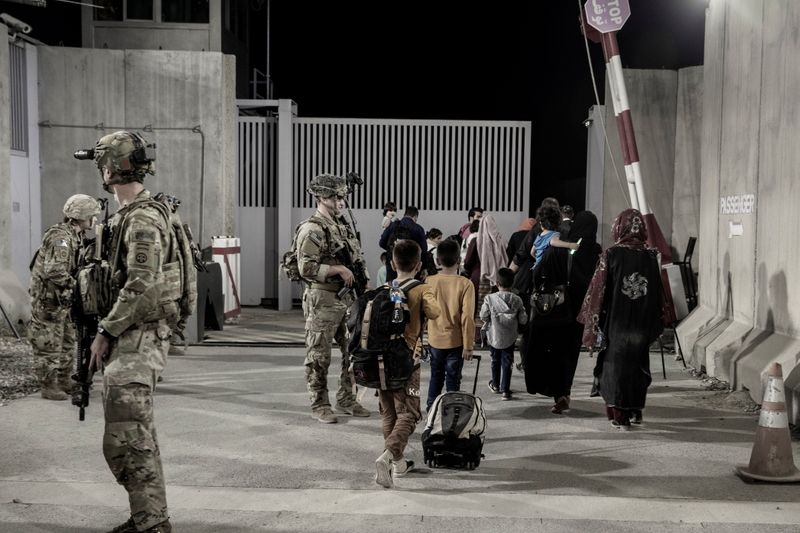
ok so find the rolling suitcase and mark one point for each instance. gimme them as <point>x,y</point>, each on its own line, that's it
<point>454,433</point>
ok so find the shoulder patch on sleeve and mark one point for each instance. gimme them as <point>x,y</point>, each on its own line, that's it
<point>61,250</point>
<point>313,237</point>
<point>145,256</point>
<point>139,234</point>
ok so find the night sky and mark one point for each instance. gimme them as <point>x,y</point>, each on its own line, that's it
<point>450,60</point>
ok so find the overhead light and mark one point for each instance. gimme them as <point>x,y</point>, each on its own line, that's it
<point>587,122</point>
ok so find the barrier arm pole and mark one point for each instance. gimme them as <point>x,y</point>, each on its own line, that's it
<point>619,100</point>
<point>627,137</point>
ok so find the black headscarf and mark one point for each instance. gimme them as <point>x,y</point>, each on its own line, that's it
<point>584,261</point>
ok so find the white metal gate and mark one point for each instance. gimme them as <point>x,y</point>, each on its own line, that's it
<point>442,167</point>
<point>433,165</point>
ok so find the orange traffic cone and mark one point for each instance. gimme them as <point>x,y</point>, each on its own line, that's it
<point>771,459</point>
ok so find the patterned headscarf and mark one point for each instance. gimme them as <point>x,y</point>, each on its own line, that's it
<point>628,230</point>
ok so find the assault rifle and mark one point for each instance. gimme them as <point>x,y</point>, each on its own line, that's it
<point>360,280</point>
<point>86,329</point>
<point>86,320</point>
<point>343,255</point>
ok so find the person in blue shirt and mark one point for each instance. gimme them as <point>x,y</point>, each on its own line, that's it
<point>550,219</point>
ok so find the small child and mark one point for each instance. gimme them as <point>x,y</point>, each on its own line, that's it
<point>502,312</point>
<point>380,277</point>
<point>550,218</point>
<point>399,408</point>
<point>389,211</point>
<point>451,336</point>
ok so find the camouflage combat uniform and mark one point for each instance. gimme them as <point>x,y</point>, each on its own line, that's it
<point>51,330</point>
<point>139,321</point>
<point>325,312</point>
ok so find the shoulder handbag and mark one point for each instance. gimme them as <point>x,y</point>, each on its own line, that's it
<point>547,298</point>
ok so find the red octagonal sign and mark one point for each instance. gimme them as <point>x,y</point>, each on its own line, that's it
<point>607,15</point>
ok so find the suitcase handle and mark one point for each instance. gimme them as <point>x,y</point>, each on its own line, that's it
<point>477,367</point>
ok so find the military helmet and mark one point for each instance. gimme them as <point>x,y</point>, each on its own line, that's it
<point>327,185</point>
<point>81,207</point>
<point>127,154</point>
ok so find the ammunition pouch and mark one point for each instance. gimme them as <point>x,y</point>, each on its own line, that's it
<point>94,288</point>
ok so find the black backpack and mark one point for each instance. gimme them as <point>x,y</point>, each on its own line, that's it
<point>379,354</point>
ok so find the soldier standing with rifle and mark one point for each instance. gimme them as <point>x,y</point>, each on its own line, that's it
<point>328,258</point>
<point>133,337</point>
<point>53,270</point>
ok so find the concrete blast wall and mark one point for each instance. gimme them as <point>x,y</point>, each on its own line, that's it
<point>749,259</point>
<point>666,109</point>
<point>170,91</point>
<point>686,184</point>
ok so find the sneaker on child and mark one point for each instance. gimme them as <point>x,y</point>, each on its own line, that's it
<point>383,470</point>
<point>402,467</point>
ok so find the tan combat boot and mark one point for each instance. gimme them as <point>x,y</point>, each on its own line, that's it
<point>325,415</point>
<point>66,383</point>
<point>51,389</point>
<point>163,527</point>
<point>355,409</point>
<point>127,527</point>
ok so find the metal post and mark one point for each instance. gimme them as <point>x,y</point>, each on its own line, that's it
<point>287,110</point>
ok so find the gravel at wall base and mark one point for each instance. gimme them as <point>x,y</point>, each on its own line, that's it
<point>17,378</point>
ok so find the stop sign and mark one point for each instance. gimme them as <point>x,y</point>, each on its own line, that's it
<point>607,15</point>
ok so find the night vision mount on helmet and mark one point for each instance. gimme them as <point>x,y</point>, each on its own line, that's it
<point>127,155</point>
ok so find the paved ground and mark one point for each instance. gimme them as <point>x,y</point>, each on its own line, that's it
<point>241,453</point>
<point>261,325</point>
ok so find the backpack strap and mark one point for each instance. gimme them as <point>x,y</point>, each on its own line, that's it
<point>365,324</point>
<point>407,285</point>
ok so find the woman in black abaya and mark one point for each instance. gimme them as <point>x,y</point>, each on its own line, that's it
<point>552,354</point>
<point>622,316</point>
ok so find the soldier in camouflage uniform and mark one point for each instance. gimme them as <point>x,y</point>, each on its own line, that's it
<point>317,240</point>
<point>133,338</point>
<point>53,269</point>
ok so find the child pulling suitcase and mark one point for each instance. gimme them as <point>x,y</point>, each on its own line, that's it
<point>454,433</point>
